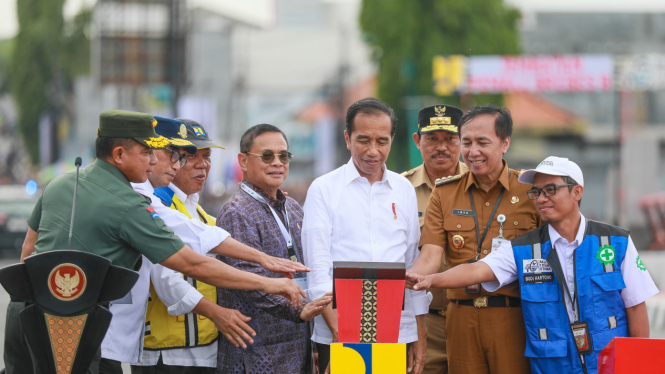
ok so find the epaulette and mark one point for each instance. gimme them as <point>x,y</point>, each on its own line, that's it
<point>449,179</point>
<point>408,172</point>
<point>519,172</point>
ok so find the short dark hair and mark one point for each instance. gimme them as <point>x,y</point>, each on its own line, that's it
<point>247,139</point>
<point>503,121</point>
<point>569,180</point>
<point>370,106</point>
<point>104,145</point>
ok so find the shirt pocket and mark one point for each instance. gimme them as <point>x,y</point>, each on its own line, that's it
<point>466,228</point>
<point>518,224</point>
<point>540,301</point>
<point>606,289</point>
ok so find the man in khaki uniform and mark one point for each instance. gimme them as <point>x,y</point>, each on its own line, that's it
<point>439,145</point>
<point>488,205</point>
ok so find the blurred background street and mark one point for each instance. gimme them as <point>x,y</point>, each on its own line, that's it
<point>583,79</point>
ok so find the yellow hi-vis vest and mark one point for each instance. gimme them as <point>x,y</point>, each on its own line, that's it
<point>164,331</point>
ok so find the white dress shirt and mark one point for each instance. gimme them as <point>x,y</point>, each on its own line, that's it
<point>639,285</point>
<point>124,339</point>
<point>349,219</point>
<point>190,201</point>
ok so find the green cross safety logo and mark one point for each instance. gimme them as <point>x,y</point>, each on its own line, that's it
<point>606,255</point>
<point>640,264</point>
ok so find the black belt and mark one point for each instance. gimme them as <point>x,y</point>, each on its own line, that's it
<point>490,302</point>
<point>438,312</point>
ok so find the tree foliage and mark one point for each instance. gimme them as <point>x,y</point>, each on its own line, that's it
<point>37,48</point>
<point>47,54</point>
<point>406,35</point>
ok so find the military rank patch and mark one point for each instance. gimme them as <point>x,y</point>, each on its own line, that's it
<point>152,212</point>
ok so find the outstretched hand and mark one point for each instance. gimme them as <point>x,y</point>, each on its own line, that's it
<point>315,307</point>
<point>283,266</point>
<point>233,325</point>
<point>285,288</point>
<point>413,279</point>
<point>419,282</point>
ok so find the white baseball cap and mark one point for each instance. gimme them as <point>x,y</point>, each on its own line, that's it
<point>554,166</point>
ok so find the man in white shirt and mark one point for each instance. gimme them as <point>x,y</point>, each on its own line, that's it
<point>364,212</point>
<point>594,266</point>
<point>124,339</point>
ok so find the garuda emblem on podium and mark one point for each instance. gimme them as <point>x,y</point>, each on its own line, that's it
<point>67,282</point>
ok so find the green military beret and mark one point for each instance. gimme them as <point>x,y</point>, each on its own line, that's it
<point>135,125</point>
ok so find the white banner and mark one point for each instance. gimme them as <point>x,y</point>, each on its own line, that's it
<point>558,73</point>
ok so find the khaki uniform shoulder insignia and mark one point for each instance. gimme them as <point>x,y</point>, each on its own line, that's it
<point>519,172</point>
<point>408,172</point>
<point>449,179</point>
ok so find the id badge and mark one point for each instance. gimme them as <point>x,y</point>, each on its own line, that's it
<point>582,337</point>
<point>496,242</point>
<point>474,288</point>
<point>302,282</point>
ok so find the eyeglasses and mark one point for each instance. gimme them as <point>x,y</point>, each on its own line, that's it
<point>268,156</point>
<point>175,157</point>
<point>549,190</point>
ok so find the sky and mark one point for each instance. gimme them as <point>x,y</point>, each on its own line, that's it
<point>262,11</point>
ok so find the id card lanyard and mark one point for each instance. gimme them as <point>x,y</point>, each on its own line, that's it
<point>286,231</point>
<point>475,288</point>
<point>579,329</point>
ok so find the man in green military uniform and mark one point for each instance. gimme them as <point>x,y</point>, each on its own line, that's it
<point>439,144</point>
<point>117,223</point>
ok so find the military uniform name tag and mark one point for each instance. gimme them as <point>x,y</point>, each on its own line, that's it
<point>582,337</point>
<point>538,278</point>
<point>460,212</point>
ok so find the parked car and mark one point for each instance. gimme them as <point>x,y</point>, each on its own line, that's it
<point>15,208</point>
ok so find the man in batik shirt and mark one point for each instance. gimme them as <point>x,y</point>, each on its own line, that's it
<point>261,216</point>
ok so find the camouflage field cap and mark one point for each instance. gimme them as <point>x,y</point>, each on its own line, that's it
<point>135,125</point>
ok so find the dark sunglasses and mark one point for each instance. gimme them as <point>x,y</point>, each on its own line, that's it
<point>549,190</point>
<point>175,157</point>
<point>268,156</point>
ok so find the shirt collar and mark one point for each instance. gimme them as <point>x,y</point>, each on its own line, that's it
<point>420,176</point>
<point>554,235</point>
<point>144,187</point>
<point>504,178</point>
<point>183,196</point>
<point>281,199</point>
<point>351,173</point>
<point>112,170</point>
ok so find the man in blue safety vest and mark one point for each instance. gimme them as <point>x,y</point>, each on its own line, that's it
<point>591,288</point>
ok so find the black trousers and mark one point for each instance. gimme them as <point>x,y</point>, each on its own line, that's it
<point>17,356</point>
<point>107,366</point>
<point>161,368</point>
